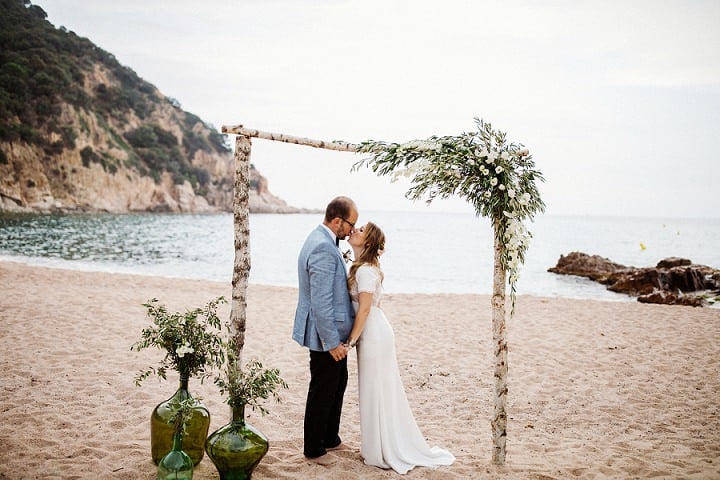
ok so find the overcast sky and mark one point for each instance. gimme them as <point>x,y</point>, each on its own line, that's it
<point>618,101</point>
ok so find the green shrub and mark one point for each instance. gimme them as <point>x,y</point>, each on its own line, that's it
<point>88,155</point>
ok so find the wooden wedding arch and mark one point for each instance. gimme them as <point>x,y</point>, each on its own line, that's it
<point>242,263</point>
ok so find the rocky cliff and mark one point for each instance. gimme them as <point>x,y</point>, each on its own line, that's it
<point>80,132</point>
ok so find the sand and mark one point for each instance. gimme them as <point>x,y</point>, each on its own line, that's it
<point>596,389</point>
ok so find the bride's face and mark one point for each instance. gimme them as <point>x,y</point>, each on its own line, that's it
<point>357,238</point>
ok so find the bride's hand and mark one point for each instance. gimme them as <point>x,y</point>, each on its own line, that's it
<point>339,352</point>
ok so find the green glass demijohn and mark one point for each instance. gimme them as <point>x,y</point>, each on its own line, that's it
<point>162,430</point>
<point>176,465</point>
<point>236,448</point>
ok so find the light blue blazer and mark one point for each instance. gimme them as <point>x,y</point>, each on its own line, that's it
<point>324,316</point>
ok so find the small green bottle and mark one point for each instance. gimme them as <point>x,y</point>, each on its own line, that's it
<point>176,465</point>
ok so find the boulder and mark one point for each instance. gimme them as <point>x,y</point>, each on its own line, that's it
<point>670,298</point>
<point>594,267</point>
<point>631,281</point>
<point>673,262</point>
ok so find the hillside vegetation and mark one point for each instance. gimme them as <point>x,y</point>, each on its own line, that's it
<point>80,131</point>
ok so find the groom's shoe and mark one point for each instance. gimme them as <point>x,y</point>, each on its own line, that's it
<point>324,460</point>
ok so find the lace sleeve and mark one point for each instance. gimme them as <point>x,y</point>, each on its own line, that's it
<point>367,279</point>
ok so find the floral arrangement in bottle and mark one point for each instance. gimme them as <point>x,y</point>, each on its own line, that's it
<point>194,347</point>
<point>237,447</point>
<point>192,341</point>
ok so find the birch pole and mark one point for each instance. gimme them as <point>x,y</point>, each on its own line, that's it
<point>241,267</point>
<point>281,137</point>
<point>499,420</point>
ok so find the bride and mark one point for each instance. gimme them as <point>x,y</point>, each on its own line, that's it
<point>390,437</point>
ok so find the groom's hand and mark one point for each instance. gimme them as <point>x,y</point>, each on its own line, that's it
<point>339,352</point>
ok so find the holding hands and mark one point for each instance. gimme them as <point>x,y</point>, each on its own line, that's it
<point>342,350</point>
<point>339,352</point>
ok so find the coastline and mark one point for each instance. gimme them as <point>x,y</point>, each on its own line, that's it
<point>201,247</point>
<point>596,389</point>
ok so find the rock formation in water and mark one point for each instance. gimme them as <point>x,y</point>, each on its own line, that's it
<point>673,281</point>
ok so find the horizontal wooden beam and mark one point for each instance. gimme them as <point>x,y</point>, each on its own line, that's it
<point>281,137</point>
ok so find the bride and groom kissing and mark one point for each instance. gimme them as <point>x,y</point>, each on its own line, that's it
<point>339,310</point>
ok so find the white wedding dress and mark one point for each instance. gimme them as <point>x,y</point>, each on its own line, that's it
<point>390,437</point>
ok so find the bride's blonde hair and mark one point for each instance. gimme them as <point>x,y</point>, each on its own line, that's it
<point>370,254</point>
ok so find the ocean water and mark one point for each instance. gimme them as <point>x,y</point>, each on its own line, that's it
<point>425,252</point>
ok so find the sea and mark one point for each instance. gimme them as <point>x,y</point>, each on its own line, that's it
<point>426,252</point>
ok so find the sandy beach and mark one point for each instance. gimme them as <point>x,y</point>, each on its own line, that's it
<point>596,389</point>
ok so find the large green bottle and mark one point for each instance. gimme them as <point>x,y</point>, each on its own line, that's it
<point>236,448</point>
<point>162,430</point>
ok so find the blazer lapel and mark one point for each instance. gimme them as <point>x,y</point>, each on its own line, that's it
<point>331,239</point>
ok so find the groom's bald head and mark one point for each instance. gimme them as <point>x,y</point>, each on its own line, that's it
<point>342,207</point>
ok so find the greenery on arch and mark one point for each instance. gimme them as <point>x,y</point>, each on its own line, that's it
<point>498,177</point>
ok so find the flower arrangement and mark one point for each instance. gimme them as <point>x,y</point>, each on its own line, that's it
<point>496,176</point>
<point>192,340</point>
<point>249,385</point>
<point>237,447</point>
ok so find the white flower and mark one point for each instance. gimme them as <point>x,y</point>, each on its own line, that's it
<point>498,169</point>
<point>524,198</point>
<point>493,181</point>
<point>181,351</point>
<point>492,155</point>
<point>523,153</point>
<point>409,171</point>
<point>504,155</point>
<point>511,193</point>
<point>501,186</point>
<point>487,194</point>
<point>516,240</point>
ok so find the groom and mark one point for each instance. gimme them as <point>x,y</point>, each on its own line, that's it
<point>323,321</point>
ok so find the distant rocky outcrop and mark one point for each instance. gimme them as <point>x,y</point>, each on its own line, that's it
<point>673,281</point>
<point>81,132</point>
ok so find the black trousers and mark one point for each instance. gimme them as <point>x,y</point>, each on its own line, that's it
<point>323,408</point>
